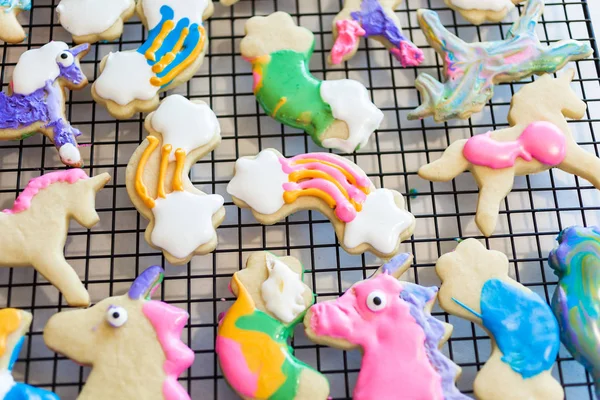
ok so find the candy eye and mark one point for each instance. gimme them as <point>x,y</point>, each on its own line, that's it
<point>116,316</point>
<point>65,59</point>
<point>376,300</point>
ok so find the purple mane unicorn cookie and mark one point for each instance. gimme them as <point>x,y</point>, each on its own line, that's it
<point>36,99</point>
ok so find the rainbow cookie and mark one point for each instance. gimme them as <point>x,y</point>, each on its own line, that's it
<point>337,114</point>
<point>472,69</point>
<point>479,11</point>
<point>390,322</point>
<point>253,336</point>
<point>131,340</point>
<point>539,138</point>
<point>11,30</point>
<point>525,338</point>
<point>576,301</point>
<point>364,218</point>
<point>14,325</point>
<point>131,81</point>
<point>376,19</point>
<point>182,218</point>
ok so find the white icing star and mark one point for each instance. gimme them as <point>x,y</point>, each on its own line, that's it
<point>259,182</point>
<point>379,224</point>
<point>282,291</point>
<point>183,222</point>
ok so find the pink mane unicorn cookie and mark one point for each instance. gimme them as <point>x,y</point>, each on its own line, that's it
<point>539,138</point>
<point>253,336</point>
<point>132,340</point>
<point>364,218</point>
<point>41,216</point>
<point>390,322</point>
<point>11,30</point>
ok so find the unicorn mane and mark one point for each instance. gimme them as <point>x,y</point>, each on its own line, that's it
<point>23,201</point>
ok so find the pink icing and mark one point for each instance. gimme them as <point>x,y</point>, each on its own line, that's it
<point>168,322</point>
<point>542,141</point>
<point>231,359</point>
<point>344,210</point>
<point>348,33</point>
<point>408,54</point>
<point>23,202</point>
<point>361,179</point>
<point>395,364</point>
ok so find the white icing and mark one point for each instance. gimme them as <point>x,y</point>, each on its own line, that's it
<point>485,5</point>
<point>350,102</point>
<point>183,222</point>
<point>89,17</point>
<point>259,182</point>
<point>184,124</point>
<point>379,224</point>
<point>282,291</point>
<point>6,383</point>
<point>125,78</point>
<point>69,154</point>
<point>37,66</point>
<point>192,9</point>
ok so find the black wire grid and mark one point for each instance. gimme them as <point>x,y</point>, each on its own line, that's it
<point>109,256</point>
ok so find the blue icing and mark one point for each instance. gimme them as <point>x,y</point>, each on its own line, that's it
<point>11,4</point>
<point>15,353</point>
<point>22,391</point>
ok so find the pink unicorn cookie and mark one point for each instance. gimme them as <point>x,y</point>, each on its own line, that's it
<point>132,343</point>
<point>390,322</point>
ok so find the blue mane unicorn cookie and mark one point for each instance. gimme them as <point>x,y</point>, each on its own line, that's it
<point>11,30</point>
<point>476,286</point>
<point>36,99</point>
<point>576,301</point>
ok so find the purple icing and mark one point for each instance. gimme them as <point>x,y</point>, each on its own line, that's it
<point>148,280</point>
<point>398,261</point>
<point>18,110</point>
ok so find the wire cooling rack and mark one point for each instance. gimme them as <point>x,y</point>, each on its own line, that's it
<point>109,256</point>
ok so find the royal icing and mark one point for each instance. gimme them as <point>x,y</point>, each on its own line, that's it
<point>348,34</point>
<point>10,5</point>
<point>89,17</point>
<point>191,9</point>
<point>487,5</point>
<point>36,67</point>
<point>282,291</point>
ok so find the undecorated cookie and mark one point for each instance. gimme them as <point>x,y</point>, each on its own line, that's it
<point>479,11</point>
<point>132,343</point>
<point>253,336</point>
<point>11,30</point>
<point>525,339</point>
<point>182,218</point>
<point>364,218</point>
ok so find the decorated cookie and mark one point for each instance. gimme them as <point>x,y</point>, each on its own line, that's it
<point>41,216</point>
<point>390,322</point>
<point>525,339</point>
<point>228,2</point>
<point>11,30</point>
<point>576,301</point>
<point>376,19</point>
<point>130,81</point>
<point>479,11</point>
<point>539,138</point>
<point>365,218</point>
<point>337,114</point>
<point>131,340</point>
<point>90,21</point>
<point>14,325</point>
<point>36,98</point>
<point>182,218</point>
<point>472,69</point>
<point>253,336</point>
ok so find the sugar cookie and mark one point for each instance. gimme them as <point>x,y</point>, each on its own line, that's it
<point>479,11</point>
<point>337,114</point>
<point>133,340</point>
<point>364,218</point>
<point>253,336</point>
<point>525,338</point>
<point>11,30</point>
<point>182,218</point>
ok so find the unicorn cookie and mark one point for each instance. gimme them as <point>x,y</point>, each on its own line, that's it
<point>253,336</point>
<point>376,19</point>
<point>131,81</point>
<point>472,69</point>
<point>525,338</point>
<point>479,11</point>
<point>41,216</point>
<point>364,218</point>
<point>11,30</point>
<point>390,322</point>
<point>576,302</point>
<point>132,340</point>
<point>14,325</point>
<point>36,98</point>
<point>539,138</point>
<point>182,218</point>
<point>90,21</point>
<point>337,114</point>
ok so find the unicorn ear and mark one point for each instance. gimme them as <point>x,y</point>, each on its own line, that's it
<point>80,50</point>
<point>145,284</point>
<point>99,181</point>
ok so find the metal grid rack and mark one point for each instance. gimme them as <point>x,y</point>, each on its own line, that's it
<point>109,256</point>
